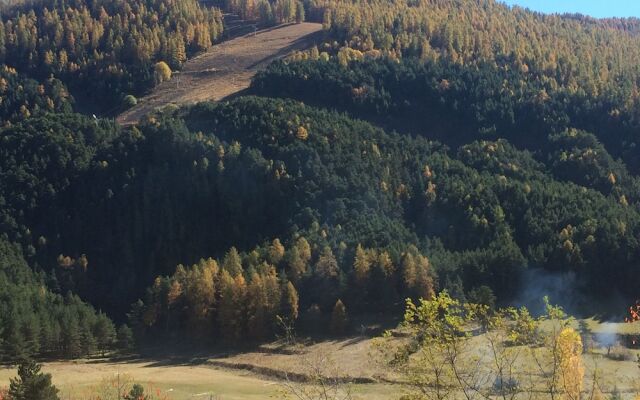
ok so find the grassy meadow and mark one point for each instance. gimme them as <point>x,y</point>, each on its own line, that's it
<point>258,374</point>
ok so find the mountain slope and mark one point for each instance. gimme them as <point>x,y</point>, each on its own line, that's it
<point>225,69</point>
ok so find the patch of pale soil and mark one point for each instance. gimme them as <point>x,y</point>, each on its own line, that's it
<point>225,69</point>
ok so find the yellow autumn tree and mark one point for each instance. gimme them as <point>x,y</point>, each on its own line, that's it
<point>276,251</point>
<point>256,308</point>
<point>559,361</point>
<point>231,310</point>
<point>289,304</point>
<point>385,265</point>
<point>570,374</point>
<point>304,248</point>
<point>361,267</point>
<point>409,271</point>
<point>232,262</point>
<point>438,362</point>
<point>302,133</point>
<point>162,72</point>
<point>425,285</point>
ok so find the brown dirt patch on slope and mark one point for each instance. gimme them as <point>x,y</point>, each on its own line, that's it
<point>225,69</point>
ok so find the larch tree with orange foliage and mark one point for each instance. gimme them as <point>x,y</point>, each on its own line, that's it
<point>232,307</point>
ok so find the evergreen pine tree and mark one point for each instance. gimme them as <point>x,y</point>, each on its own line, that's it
<point>125,338</point>
<point>31,384</point>
<point>297,264</point>
<point>88,343</point>
<point>136,393</point>
<point>104,332</point>
<point>71,336</point>
<point>339,318</point>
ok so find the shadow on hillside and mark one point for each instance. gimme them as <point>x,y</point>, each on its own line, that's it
<point>299,44</point>
<point>188,355</point>
<point>354,340</point>
<point>239,93</point>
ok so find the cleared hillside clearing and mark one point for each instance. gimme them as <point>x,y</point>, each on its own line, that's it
<point>225,69</point>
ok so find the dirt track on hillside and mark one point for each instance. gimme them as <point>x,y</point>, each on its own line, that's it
<point>225,69</point>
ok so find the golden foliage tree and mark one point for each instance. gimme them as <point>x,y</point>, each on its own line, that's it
<point>361,267</point>
<point>304,248</point>
<point>570,369</point>
<point>232,262</point>
<point>276,251</point>
<point>327,265</point>
<point>257,308</point>
<point>162,72</point>
<point>290,300</point>
<point>231,310</point>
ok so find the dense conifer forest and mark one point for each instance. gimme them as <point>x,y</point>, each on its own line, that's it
<point>423,146</point>
<point>104,50</point>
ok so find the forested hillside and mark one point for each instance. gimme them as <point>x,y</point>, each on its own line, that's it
<point>104,50</point>
<point>23,97</point>
<point>572,51</point>
<point>424,146</point>
<point>37,322</point>
<point>243,173</point>
<point>497,66</point>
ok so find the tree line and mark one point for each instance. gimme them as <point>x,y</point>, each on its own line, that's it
<point>266,12</point>
<point>35,322</point>
<point>447,348</point>
<point>272,290</point>
<point>245,172</point>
